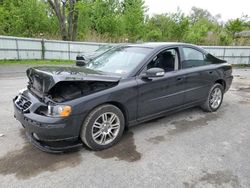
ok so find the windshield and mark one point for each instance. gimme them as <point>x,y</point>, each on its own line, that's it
<point>121,60</point>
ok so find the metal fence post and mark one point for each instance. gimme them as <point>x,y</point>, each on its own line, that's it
<point>43,49</point>
<point>224,52</point>
<point>249,57</point>
<point>69,49</point>
<point>17,49</point>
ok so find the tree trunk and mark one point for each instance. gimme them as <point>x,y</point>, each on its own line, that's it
<point>68,31</point>
<point>75,25</point>
<point>70,19</point>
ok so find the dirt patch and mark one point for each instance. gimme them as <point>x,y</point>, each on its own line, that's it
<point>156,120</point>
<point>217,179</point>
<point>124,150</point>
<point>244,102</point>
<point>156,139</point>
<point>245,89</point>
<point>189,124</point>
<point>29,162</point>
<point>22,134</point>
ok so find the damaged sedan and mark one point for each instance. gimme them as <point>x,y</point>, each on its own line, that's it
<point>63,108</point>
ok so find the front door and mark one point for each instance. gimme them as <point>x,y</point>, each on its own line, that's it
<point>161,94</point>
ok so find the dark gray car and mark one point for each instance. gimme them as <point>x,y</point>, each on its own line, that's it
<point>64,107</point>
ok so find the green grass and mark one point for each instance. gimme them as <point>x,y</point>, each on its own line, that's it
<point>241,65</point>
<point>35,62</point>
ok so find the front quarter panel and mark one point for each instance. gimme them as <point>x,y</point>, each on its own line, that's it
<point>125,94</point>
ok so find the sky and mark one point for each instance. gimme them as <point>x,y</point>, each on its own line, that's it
<point>228,9</point>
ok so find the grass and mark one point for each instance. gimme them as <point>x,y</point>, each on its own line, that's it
<point>241,65</point>
<point>35,62</point>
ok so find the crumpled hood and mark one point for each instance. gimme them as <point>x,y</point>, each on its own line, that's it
<point>44,78</point>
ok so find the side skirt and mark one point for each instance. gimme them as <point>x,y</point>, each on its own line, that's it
<point>164,113</point>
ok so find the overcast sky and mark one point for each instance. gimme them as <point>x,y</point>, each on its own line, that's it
<point>228,9</point>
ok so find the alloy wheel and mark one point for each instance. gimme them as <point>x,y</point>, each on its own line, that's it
<point>105,128</point>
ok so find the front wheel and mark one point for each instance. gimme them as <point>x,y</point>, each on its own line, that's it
<point>215,98</point>
<point>103,127</point>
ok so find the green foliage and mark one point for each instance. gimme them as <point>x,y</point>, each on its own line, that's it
<point>24,18</point>
<point>154,35</point>
<point>199,30</point>
<point>117,21</point>
<point>133,18</point>
<point>234,26</point>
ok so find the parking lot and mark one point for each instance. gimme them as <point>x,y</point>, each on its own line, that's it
<point>186,149</point>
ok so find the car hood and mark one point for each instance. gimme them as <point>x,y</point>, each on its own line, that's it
<point>44,78</point>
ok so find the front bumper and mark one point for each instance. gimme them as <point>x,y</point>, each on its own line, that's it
<point>54,147</point>
<point>49,134</point>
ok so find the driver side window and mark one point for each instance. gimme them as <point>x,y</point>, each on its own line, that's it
<point>167,60</point>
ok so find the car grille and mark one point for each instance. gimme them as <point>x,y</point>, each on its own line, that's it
<point>22,103</point>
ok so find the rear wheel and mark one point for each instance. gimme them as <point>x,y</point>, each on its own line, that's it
<point>103,127</point>
<point>215,98</point>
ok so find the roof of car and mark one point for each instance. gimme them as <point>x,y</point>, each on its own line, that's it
<point>158,44</point>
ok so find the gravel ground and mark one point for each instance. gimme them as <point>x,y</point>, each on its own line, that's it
<point>187,149</point>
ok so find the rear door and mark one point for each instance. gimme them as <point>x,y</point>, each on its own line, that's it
<point>199,74</point>
<point>157,95</point>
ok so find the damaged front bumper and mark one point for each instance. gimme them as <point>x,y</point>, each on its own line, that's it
<point>49,134</point>
<point>56,146</point>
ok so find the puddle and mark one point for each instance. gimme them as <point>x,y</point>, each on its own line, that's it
<point>217,179</point>
<point>29,162</point>
<point>156,139</point>
<point>124,150</point>
<point>189,124</point>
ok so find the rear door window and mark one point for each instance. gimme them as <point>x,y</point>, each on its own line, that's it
<point>193,58</point>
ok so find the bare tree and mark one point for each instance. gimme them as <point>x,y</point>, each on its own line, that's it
<point>67,16</point>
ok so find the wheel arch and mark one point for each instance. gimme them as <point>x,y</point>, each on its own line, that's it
<point>222,82</point>
<point>122,108</point>
<point>119,105</point>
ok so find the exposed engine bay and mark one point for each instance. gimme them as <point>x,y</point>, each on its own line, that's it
<point>68,90</point>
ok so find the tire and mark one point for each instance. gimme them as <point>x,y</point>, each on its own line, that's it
<point>103,127</point>
<point>209,105</point>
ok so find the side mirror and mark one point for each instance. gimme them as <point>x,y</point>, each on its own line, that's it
<point>154,73</point>
<point>81,61</point>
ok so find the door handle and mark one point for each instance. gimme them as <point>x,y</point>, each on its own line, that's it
<point>210,72</point>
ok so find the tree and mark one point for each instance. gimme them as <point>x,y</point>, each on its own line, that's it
<point>171,26</point>
<point>23,18</point>
<point>133,17</point>
<point>199,13</point>
<point>234,26</point>
<point>106,18</point>
<point>68,21</point>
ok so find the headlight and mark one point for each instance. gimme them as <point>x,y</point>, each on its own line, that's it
<point>59,110</point>
<point>22,90</point>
